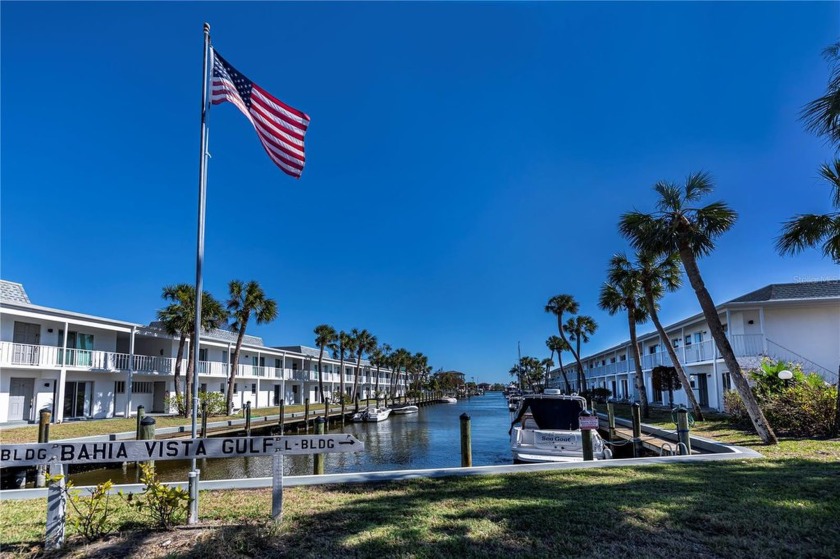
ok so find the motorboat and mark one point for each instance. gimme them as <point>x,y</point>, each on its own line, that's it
<point>545,428</point>
<point>449,400</point>
<point>405,410</point>
<point>374,414</point>
<point>513,402</point>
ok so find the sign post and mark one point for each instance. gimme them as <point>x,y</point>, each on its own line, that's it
<point>56,454</point>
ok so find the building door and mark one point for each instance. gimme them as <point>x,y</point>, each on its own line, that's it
<point>26,338</point>
<point>76,399</point>
<point>276,395</point>
<point>159,397</point>
<point>702,391</point>
<point>20,398</point>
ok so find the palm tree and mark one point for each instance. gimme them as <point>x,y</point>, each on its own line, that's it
<point>822,115</point>
<point>558,306</point>
<point>246,299</point>
<point>659,274</point>
<point>341,346</point>
<point>178,319</point>
<point>325,335</point>
<point>559,345</point>
<point>579,329</point>
<point>546,364</point>
<point>364,343</point>
<point>623,292</point>
<point>379,358</point>
<point>399,359</point>
<point>678,226</point>
<point>813,230</point>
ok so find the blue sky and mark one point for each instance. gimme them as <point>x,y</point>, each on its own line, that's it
<point>465,161</point>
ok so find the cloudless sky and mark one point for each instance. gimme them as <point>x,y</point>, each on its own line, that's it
<point>465,161</point>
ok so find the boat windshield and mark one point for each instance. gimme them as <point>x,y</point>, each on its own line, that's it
<point>552,413</point>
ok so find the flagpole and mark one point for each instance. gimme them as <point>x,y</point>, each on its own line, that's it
<point>199,284</point>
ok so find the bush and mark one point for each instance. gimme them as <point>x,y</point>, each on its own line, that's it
<point>216,404</point>
<point>800,407</point>
<point>164,505</point>
<point>90,514</point>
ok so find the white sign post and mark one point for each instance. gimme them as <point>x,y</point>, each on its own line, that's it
<point>55,454</point>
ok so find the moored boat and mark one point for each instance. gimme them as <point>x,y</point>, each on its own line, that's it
<point>373,414</point>
<point>449,400</point>
<point>546,429</point>
<point>405,410</point>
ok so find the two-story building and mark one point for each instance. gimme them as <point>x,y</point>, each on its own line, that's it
<point>82,366</point>
<point>792,322</point>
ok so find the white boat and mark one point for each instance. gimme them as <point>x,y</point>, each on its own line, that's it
<point>405,410</point>
<point>449,400</point>
<point>545,429</point>
<point>373,414</point>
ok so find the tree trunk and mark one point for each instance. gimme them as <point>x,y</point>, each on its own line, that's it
<point>178,397</point>
<point>760,423</point>
<point>234,363</point>
<point>377,380</point>
<point>637,361</point>
<point>582,385</point>
<point>686,385</point>
<point>356,376</point>
<point>581,374</point>
<point>321,375</point>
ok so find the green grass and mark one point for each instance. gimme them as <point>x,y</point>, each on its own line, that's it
<point>784,506</point>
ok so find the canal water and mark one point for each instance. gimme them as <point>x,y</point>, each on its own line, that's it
<point>427,439</point>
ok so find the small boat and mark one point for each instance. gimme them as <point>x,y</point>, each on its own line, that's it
<point>373,414</point>
<point>449,400</point>
<point>546,429</point>
<point>405,410</point>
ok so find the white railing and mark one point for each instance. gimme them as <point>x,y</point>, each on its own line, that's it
<point>747,345</point>
<point>700,351</point>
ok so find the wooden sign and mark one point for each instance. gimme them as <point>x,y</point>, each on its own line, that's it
<point>588,422</point>
<point>173,449</point>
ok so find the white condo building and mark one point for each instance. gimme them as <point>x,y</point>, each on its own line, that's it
<point>82,366</point>
<point>793,322</point>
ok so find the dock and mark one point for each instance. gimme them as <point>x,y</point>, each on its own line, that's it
<point>651,442</point>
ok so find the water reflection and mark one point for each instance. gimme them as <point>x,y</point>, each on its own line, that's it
<point>428,439</point>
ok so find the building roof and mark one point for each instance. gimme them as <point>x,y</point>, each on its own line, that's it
<point>218,334</point>
<point>13,292</point>
<point>789,291</point>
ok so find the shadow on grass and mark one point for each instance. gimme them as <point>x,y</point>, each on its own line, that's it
<point>723,509</point>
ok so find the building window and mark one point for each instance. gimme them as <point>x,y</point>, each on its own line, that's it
<point>727,381</point>
<point>203,387</point>
<point>688,340</point>
<point>622,357</point>
<point>677,342</point>
<point>254,388</point>
<point>698,337</point>
<point>653,349</point>
<point>141,387</point>
<point>235,387</point>
<point>222,388</point>
<point>202,354</point>
<point>119,387</point>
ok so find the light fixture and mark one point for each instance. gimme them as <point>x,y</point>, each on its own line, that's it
<point>751,322</point>
<point>785,375</point>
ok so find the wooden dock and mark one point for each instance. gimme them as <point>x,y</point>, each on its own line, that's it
<point>652,443</point>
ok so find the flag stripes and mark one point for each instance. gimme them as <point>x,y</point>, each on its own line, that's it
<point>280,127</point>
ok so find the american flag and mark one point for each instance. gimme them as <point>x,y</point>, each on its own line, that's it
<point>280,127</point>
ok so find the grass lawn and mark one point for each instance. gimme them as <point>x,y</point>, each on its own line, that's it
<point>787,505</point>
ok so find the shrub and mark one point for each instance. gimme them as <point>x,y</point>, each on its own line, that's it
<point>800,407</point>
<point>164,505</point>
<point>90,514</point>
<point>216,404</point>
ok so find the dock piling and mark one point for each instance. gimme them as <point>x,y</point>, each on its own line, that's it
<point>282,419</point>
<point>637,430</point>
<point>683,431</point>
<point>204,419</point>
<point>318,468</point>
<point>466,442</point>
<point>306,415</point>
<point>611,420</point>
<point>586,438</point>
<point>43,437</point>
<point>147,432</point>
<point>247,419</point>
<point>141,412</point>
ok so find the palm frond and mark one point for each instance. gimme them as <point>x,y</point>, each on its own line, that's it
<point>670,197</point>
<point>810,230</point>
<point>697,185</point>
<point>833,178</point>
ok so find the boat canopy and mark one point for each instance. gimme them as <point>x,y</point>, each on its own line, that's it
<point>552,413</point>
